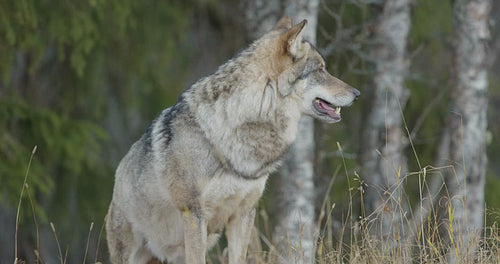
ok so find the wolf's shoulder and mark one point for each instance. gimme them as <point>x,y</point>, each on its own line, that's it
<point>162,128</point>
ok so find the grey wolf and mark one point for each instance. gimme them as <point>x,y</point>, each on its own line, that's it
<point>203,163</point>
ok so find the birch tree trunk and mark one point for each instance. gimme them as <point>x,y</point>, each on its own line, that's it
<point>295,222</point>
<point>467,127</point>
<point>295,229</point>
<point>383,159</point>
<point>261,16</point>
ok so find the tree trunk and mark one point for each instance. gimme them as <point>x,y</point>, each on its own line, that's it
<point>295,229</point>
<point>295,220</point>
<point>383,159</point>
<point>260,16</point>
<point>467,127</point>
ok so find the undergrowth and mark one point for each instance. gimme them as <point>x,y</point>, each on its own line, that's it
<point>354,242</point>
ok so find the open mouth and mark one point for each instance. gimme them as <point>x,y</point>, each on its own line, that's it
<point>326,108</point>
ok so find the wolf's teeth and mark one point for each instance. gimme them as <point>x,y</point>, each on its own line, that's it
<point>337,110</point>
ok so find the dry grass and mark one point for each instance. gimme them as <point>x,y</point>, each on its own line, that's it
<point>354,241</point>
<point>418,236</point>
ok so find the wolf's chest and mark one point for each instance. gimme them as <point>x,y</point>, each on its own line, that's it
<point>226,195</point>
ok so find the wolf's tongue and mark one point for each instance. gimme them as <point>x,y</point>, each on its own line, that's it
<point>330,111</point>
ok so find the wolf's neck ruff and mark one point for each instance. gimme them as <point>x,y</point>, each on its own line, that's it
<point>240,99</point>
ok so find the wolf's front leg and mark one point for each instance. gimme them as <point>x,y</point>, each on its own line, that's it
<point>238,233</point>
<point>195,237</point>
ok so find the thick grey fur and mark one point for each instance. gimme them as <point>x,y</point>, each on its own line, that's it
<point>203,163</point>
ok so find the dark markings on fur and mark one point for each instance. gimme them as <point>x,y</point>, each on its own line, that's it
<point>148,137</point>
<point>216,85</point>
<point>261,171</point>
<point>219,86</point>
<point>282,122</point>
<point>246,176</point>
<point>194,204</point>
<point>120,248</point>
<point>166,120</point>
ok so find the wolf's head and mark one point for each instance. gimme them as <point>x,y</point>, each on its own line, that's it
<point>297,70</point>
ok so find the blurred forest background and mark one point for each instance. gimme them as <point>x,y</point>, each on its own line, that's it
<point>81,80</point>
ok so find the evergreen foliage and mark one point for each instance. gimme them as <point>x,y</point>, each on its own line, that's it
<point>64,67</point>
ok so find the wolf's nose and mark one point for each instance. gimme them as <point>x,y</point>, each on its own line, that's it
<point>356,93</point>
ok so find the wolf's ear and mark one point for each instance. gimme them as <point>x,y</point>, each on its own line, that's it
<point>293,38</point>
<point>283,24</point>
